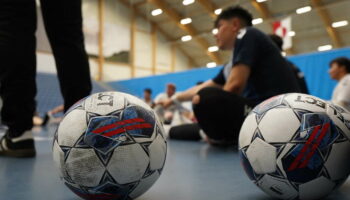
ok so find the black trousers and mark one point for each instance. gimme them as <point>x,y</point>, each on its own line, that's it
<point>185,132</point>
<point>221,114</point>
<point>63,24</point>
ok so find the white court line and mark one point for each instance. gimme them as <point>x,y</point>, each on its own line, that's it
<point>38,138</point>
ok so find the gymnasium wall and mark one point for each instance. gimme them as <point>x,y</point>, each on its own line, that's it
<point>153,54</point>
<point>314,66</point>
<point>183,80</point>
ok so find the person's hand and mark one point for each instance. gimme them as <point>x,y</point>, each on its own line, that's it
<point>167,103</point>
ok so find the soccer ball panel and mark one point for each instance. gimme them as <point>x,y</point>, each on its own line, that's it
<point>247,131</point>
<point>144,185</point>
<point>157,151</point>
<point>338,164</point>
<point>262,156</point>
<point>246,165</point>
<point>287,148</point>
<point>279,125</point>
<point>58,158</point>
<point>136,101</point>
<point>340,119</point>
<point>71,128</point>
<point>84,167</point>
<point>316,189</point>
<point>276,187</point>
<point>104,103</point>
<point>145,126</point>
<point>268,104</point>
<point>306,102</point>
<point>128,163</point>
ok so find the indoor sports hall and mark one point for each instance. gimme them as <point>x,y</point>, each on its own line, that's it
<point>236,99</point>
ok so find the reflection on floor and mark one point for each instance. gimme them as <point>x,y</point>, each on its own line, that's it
<point>193,171</point>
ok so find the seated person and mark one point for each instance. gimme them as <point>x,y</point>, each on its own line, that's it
<point>298,74</point>
<point>339,71</point>
<point>147,97</point>
<point>165,114</point>
<point>256,72</point>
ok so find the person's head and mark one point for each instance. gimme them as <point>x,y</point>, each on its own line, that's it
<point>277,40</point>
<point>228,23</point>
<point>147,93</point>
<point>339,67</point>
<point>170,89</point>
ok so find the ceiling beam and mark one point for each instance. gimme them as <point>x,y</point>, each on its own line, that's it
<point>209,7</point>
<point>262,9</point>
<point>157,28</point>
<point>140,3</point>
<point>322,12</point>
<point>188,28</point>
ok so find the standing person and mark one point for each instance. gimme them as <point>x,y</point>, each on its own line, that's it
<point>147,97</point>
<point>339,71</point>
<point>63,24</point>
<point>256,72</point>
<point>298,74</point>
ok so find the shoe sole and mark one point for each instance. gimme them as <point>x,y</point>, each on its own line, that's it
<point>23,153</point>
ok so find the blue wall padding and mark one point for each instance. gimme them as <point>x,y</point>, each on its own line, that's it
<point>183,81</point>
<point>315,66</point>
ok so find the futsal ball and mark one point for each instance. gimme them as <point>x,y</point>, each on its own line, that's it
<point>296,146</point>
<point>110,145</point>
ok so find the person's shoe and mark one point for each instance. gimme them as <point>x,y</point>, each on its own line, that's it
<point>22,146</point>
<point>46,119</point>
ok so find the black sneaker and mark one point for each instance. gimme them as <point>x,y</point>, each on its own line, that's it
<point>46,119</point>
<point>22,146</point>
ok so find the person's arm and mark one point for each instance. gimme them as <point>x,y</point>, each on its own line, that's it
<point>343,96</point>
<point>190,93</point>
<point>158,99</point>
<point>237,79</point>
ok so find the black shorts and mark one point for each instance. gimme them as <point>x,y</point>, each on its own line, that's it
<point>221,114</point>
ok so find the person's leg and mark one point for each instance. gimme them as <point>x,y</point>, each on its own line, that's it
<point>17,73</point>
<point>63,24</point>
<point>185,132</point>
<point>220,114</point>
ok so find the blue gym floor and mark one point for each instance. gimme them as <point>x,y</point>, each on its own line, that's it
<point>193,171</point>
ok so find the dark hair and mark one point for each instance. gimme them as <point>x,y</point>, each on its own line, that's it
<point>235,11</point>
<point>277,40</point>
<point>343,62</point>
<point>148,90</point>
<point>199,82</point>
<point>171,85</point>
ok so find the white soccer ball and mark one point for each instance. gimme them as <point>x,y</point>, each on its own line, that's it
<point>296,146</point>
<point>110,145</point>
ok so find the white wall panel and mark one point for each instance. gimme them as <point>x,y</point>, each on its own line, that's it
<point>181,62</point>
<point>113,72</point>
<point>45,63</point>
<point>117,16</point>
<point>143,50</point>
<point>142,72</point>
<point>163,54</point>
<point>143,25</point>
